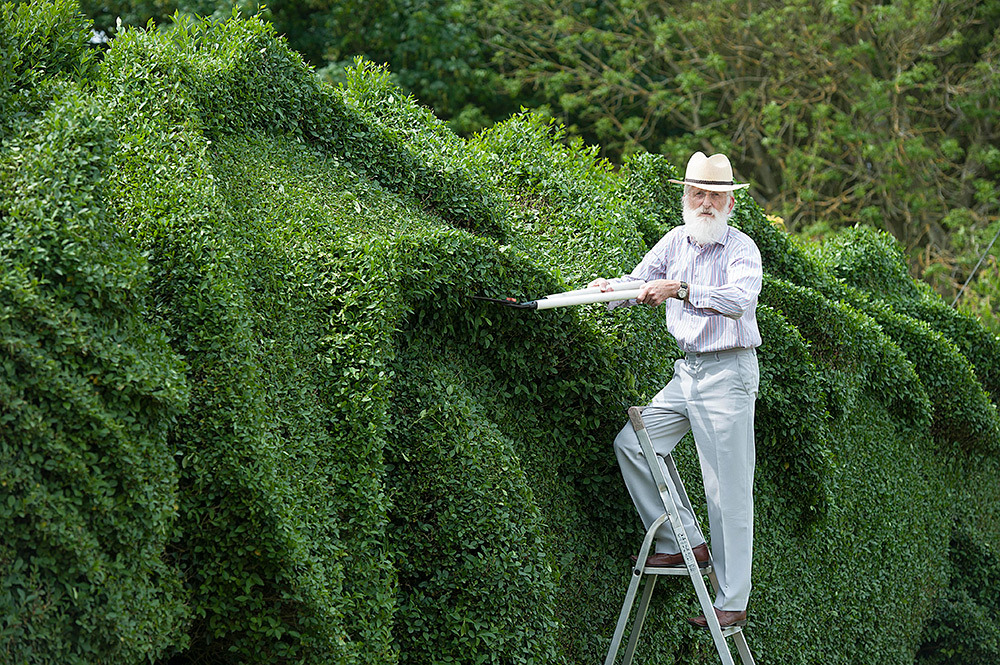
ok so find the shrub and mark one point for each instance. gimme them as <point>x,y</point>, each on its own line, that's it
<point>44,45</point>
<point>964,627</point>
<point>873,266</point>
<point>89,394</point>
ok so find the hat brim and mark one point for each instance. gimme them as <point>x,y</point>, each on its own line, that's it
<point>723,187</point>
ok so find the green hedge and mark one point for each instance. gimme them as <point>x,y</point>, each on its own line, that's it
<point>42,51</point>
<point>251,414</point>
<point>874,264</point>
<point>89,395</point>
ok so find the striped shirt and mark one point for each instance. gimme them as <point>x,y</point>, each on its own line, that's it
<point>724,280</point>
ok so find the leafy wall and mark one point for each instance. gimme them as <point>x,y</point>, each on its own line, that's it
<point>250,413</point>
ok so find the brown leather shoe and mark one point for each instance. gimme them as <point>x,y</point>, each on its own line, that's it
<point>661,560</point>
<point>727,619</point>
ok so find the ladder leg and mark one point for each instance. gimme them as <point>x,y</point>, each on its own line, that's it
<point>640,618</point>
<point>670,468</point>
<point>663,488</point>
<point>633,587</point>
<point>622,620</point>
<point>738,638</point>
<point>713,622</point>
<point>672,515</point>
<point>682,495</point>
<point>741,645</point>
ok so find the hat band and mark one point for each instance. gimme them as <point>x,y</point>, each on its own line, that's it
<point>708,182</point>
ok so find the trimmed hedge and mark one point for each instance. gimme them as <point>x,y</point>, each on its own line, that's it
<point>873,263</point>
<point>42,52</point>
<point>90,392</point>
<point>251,414</point>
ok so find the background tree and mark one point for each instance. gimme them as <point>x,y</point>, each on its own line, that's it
<point>837,112</point>
<point>434,49</point>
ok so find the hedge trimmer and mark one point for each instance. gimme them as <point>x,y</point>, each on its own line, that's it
<point>629,291</point>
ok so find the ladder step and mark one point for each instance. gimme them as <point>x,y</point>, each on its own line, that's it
<point>705,570</point>
<point>732,630</point>
<point>726,632</point>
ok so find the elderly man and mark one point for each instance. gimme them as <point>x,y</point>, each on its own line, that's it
<point>709,276</point>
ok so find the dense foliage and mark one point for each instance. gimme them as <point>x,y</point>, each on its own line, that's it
<point>250,414</point>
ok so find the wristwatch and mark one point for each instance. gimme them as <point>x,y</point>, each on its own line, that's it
<point>682,291</point>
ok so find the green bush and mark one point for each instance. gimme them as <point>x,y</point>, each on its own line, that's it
<point>42,48</point>
<point>89,395</point>
<point>873,263</point>
<point>872,267</point>
<point>963,629</point>
<point>979,346</point>
<point>251,413</point>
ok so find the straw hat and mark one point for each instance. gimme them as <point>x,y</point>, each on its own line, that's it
<point>713,173</point>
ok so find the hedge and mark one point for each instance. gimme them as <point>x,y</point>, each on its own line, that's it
<point>90,394</point>
<point>251,413</point>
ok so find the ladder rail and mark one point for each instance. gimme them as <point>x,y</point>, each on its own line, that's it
<point>671,466</point>
<point>680,535</point>
<point>640,618</point>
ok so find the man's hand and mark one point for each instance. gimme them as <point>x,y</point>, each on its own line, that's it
<point>656,292</point>
<point>603,283</point>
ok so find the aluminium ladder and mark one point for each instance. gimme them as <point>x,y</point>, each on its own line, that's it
<point>657,465</point>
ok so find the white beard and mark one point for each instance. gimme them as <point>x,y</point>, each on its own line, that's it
<point>704,229</point>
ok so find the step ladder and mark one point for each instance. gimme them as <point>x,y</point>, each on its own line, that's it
<point>659,467</point>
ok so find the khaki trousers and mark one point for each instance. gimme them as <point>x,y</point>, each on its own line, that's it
<point>712,395</point>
